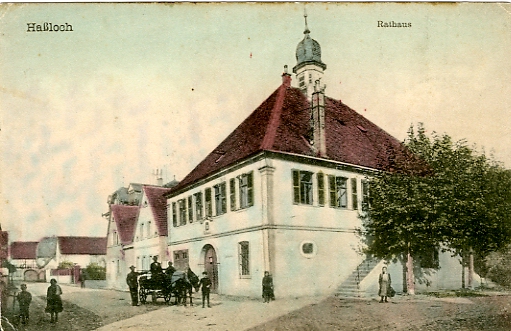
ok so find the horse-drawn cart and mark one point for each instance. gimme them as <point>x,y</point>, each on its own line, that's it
<point>157,286</point>
<point>160,285</point>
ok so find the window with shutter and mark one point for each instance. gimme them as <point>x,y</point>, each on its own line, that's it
<point>354,194</point>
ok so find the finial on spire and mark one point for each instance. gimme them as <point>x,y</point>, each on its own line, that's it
<point>306,31</point>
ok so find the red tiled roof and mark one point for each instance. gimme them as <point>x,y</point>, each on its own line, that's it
<point>158,204</point>
<point>281,124</point>
<point>24,250</point>
<point>125,218</point>
<point>82,245</point>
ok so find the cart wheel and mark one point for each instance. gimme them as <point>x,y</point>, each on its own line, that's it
<point>143,296</point>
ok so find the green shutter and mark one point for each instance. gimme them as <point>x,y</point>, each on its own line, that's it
<point>223,197</point>
<point>321,188</point>
<point>232,190</point>
<point>250,189</point>
<point>354,194</point>
<point>296,186</point>
<point>332,190</point>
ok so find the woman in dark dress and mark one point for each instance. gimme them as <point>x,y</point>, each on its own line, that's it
<point>53,301</point>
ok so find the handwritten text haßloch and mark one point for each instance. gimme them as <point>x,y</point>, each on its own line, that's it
<point>49,27</point>
<point>393,24</point>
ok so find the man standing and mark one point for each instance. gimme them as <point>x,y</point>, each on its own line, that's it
<point>205,284</point>
<point>132,281</point>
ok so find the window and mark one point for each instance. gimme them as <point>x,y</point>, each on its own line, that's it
<point>190,209</point>
<point>232,193</point>
<point>209,205</point>
<point>174,214</point>
<point>182,212</point>
<point>181,259</point>
<point>308,249</point>
<point>302,187</point>
<point>321,188</point>
<point>141,231</point>
<point>198,205</point>
<point>149,228</point>
<point>246,190</point>
<point>429,258</point>
<point>354,194</point>
<point>244,258</point>
<point>338,194</point>
<point>220,199</point>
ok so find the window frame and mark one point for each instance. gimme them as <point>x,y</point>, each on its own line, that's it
<point>303,191</point>
<point>244,259</point>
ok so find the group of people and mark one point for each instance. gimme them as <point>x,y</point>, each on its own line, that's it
<point>157,271</point>
<point>53,302</point>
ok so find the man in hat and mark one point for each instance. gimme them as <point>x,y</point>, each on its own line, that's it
<point>205,284</point>
<point>132,281</point>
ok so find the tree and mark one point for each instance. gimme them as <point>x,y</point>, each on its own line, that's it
<point>457,201</point>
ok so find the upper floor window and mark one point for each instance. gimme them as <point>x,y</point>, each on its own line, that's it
<point>198,205</point>
<point>220,198</point>
<point>246,182</point>
<point>244,258</point>
<point>338,191</point>
<point>302,187</point>
<point>182,212</point>
<point>141,231</point>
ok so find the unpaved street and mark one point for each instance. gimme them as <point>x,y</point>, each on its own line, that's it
<point>104,310</point>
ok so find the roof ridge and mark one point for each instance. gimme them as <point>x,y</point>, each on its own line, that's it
<point>274,122</point>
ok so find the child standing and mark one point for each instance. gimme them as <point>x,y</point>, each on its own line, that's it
<point>205,284</point>
<point>24,299</point>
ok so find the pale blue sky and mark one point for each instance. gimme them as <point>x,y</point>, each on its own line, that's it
<point>141,86</point>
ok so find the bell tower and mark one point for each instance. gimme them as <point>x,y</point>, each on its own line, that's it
<point>309,68</point>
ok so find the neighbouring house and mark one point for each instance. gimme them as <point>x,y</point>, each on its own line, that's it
<point>79,251</point>
<point>283,192</point>
<point>23,257</point>
<point>137,233</point>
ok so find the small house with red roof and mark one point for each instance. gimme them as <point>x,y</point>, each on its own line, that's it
<point>283,192</point>
<point>137,233</point>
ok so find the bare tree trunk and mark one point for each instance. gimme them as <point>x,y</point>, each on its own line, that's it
<point>462,270</point>
<point>404,273</point>
<point>470,269</point>
<point>410,278</point>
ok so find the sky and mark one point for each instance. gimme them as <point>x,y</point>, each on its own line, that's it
<point>141,86</point>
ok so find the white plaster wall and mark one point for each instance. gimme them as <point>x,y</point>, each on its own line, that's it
<point>241,219</point>
<point>226,247</point>
<point>288,213</point>
<point>299,275</point>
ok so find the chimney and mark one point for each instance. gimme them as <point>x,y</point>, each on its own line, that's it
<point>286,77</point>
<point>158,174</point>
<point>318,119</point>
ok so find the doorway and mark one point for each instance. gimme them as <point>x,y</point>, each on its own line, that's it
<point>211,266</point>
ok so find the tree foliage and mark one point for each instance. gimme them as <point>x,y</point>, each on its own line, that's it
<point>95,272</point>
<point>460,201</point>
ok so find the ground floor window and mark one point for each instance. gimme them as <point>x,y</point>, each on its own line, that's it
<point>244,258</point>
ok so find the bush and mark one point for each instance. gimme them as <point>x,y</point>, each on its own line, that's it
<point>95,272</point>
<point>66,265</point>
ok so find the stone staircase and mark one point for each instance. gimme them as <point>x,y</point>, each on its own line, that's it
<point>351,286</point>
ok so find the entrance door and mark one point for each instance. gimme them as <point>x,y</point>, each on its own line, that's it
<point>211,267</point>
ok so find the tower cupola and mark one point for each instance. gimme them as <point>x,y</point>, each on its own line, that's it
<point>309,66</point>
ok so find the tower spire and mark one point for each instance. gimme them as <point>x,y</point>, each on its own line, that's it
<point>306,31</point>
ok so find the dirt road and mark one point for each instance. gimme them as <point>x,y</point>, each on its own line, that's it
<point>103,310</point>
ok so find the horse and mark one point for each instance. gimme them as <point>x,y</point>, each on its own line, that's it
<point>183,284</point>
